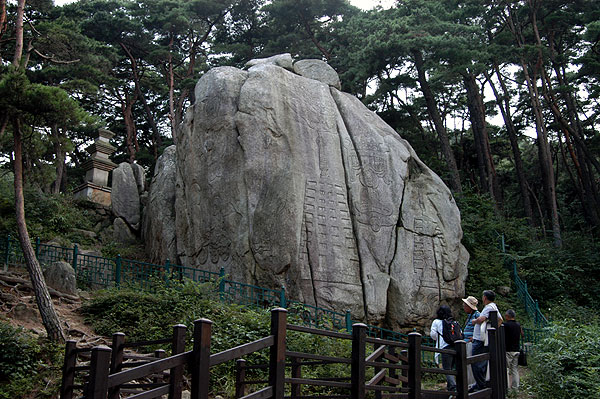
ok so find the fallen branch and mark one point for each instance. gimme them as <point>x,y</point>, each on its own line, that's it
<point>27,284</point>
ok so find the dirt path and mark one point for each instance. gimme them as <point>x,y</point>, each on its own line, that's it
<point>18,307</point>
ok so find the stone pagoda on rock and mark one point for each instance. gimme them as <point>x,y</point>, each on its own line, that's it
<point>97,168</point>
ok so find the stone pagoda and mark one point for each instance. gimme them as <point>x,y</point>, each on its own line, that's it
<point>97,168</point>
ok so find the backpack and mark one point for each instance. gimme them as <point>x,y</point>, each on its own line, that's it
<point>451,331</point>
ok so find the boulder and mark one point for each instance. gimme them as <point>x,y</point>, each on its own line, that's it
<point>61,276</point>
<point>125,196</point>
<point>318,70</point>
<point>158,230</point>
<point>140,177</point>
<point>283,180</point>
<point>282,60</point>
<point>122,233</point>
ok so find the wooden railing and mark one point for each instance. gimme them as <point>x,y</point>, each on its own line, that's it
<point>78,366</point>
<point>396,368</point>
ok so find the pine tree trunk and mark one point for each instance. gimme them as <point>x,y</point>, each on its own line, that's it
<point>504,105</point>
<point>478,125</point>
<point>44,302</point>
<point>434,114</point>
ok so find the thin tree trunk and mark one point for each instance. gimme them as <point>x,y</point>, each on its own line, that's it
<point>44,302</point>
<point>59,162</point>
<point>434,114</point>
<point>478,125</point>
<point>545,156</point>
<point>19,33</point>
<point>504,105</point>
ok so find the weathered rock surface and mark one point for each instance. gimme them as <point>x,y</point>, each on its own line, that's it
<point>122,233</point>
<point>282,60</point>
<point>318,70</point>
<point>61,276</point>
<point>158,229</point>
<point>140,177</point>
<point>284,180</point>
<point>125,196</point>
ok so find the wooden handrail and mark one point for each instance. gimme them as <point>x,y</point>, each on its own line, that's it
<point>333,334</point>
<point>331,359</point>
<point>150,368</point>
<point>241,351</point>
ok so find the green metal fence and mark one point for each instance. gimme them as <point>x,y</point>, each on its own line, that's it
<point>100,272</point>
<point>531,335</point>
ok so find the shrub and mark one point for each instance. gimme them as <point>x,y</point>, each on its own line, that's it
<point>567,363</point>
<point>147,316</point>
<point>28,368</point>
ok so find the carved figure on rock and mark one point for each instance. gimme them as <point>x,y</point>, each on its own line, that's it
<point>283,179</point>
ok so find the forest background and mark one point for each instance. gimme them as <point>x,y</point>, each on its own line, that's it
<point>499,97</point>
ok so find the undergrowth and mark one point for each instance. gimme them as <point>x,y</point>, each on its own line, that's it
<point>151,315</point>
<point>29,367</point>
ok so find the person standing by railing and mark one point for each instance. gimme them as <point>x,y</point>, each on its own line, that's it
<point>470,308</point>
<point>512,337</point>
<point>437,332</point>
<point>479,335</point>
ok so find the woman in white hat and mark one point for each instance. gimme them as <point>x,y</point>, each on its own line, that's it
<point>470,308</point>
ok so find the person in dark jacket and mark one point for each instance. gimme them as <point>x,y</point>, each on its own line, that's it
<point>512,338</point>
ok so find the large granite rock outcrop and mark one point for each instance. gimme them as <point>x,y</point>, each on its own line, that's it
<point>285,180</point>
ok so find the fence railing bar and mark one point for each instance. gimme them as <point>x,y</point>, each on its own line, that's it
<point>154,393</point>
<point>150,368</point>
<point>376,354</point>
<point>264,393</point>
<point>331,359</point>
<point>389,342</point>
<point>316,331</point>
<point>240,351</point>
<point>315,382</point>
<point>389,366</point>
<point>377,378</point>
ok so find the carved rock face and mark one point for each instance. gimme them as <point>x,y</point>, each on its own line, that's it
<point>125,195</point>
<point>285,180</point>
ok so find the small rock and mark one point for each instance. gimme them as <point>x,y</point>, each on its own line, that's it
<point>24,313</point>
<point>61,276</point>
<point>318,70</point>
<point>86,233</point>
<point>282,60</point>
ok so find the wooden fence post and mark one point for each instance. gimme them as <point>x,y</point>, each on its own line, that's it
<point>414,365</point>
<point>462,381</point>
<point>377,369</point>
<point>277,357</point>
<point>116,361</point>
<point>99,369</point>
<point>200,367</point>
<point>176,373</point>
<point>68,371</point>
<point>495,377</point>
<point>404,372</point>
<point>240,378</point>
<point>296,389</point>
<point>359,335</point>
<point>393,373</point>
<point>502,356</point>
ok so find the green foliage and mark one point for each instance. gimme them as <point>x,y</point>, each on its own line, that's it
<point>48,216</point>
<point>28,368</point>
<point>567,363</point>
<point>147,316</point>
